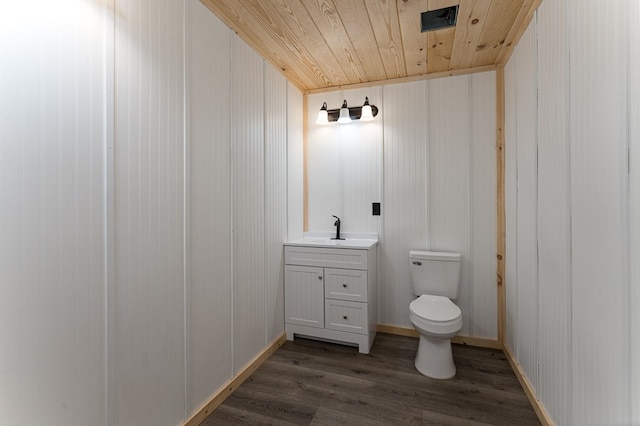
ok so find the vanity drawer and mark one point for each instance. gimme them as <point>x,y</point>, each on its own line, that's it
<point>346,316</point>
<point>345,284</point>
<point>325,257</point>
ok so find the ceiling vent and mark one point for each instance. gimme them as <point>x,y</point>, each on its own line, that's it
<point>438,19</point>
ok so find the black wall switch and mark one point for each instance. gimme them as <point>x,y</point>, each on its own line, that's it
<point>376,209</point>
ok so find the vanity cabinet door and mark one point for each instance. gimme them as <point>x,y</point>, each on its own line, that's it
<point>304,295</point>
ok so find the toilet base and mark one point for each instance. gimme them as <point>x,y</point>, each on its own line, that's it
<point>435,359</point>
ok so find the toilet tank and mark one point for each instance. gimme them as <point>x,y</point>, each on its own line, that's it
<point>435,273</point>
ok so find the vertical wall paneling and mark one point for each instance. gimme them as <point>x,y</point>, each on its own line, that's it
<point>404,224</point>
<point>586,207</point>
<point>149,213</point>
<point>209,362</point>
<point>324,167</point>
<point>361,150</point>
<point>247,148</point>
<point>527,274</point>
<point>345,174</point>
<point>599,214</point>
<point>634,206</point>
<point>295,162</point>
<point>554,234</point>
<point>275,198</point>
<point>448,179</point>
<point>482,192</point>
<point>52,234</point>
<point>109,214</point>
<point>510,200</point>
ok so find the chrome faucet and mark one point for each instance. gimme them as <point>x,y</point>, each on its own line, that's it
<point>337,225</point>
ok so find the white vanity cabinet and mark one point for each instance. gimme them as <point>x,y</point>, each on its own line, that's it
<point>330,293</point>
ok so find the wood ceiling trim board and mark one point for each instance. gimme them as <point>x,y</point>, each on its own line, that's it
<point>355,18</point>
<point>332,29</point>
<point>441,4</point>
<point>440,44</point>
<point>306,38</point>
<point>520,25</point>
<point>383,15</point>
<point>501,15</point>
<point>241,22</point>
<point>468,33</point>
<point>408,79</point>
<point>413,40</point>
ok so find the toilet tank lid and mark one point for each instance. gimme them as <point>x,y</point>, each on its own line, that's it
<point>435,255</point>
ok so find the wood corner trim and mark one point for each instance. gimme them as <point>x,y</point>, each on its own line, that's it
<point>541,412</point>
<point>225,391</point>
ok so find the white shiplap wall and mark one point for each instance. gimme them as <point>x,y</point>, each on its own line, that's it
<point>554,222</point>
<point>527,190</point>
<point>149,213</point>
<point>116,164</point>
<point>510,201</point>
<point>599,222</point>
<point>295,162</point>
<point>53,104</point>
<point>583,127</point>
<point>209,280</point>
<point>634,207</point>
<point>404,207</point>
<point>482,203</point>
<point>247,163</point>
<point>344,165</point>
<point>429,157</point>
<point>275,199</point>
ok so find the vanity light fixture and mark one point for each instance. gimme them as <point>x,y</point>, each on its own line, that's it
<point>346,114</point>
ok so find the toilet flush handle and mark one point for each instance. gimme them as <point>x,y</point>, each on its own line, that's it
<point>417,262</point>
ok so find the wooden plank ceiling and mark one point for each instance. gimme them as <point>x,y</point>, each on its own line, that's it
<point>323,44</point>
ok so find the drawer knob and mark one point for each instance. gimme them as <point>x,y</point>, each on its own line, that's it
<point>344,317</point>
<point>344,285</point>
<point>417,262</point>
<point>319,277</point>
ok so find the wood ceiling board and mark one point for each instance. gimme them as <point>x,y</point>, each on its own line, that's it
<point>240,20</point>
<point>305,37</point>
<point>500,19</point>
<point>383,15</point>
<point>520,25</point>
<point>439,45</point>
<point>329,23</point>
<point>472,16</point>
<point>355,18</point>
<point>414,40</point>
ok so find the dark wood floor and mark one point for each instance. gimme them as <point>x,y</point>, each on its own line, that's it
<point>314,383</point>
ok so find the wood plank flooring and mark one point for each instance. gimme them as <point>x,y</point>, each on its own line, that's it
<point>307,382</point>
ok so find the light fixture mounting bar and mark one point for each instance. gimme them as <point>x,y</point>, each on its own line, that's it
<point>354,112</point>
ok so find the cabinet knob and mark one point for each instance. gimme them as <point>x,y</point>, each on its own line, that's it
<point>319,277</point>
<point>344,285</point>
<point>344,317</point>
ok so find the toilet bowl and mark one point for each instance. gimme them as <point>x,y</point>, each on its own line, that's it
<point>435,280</point>
<point>437,319</point>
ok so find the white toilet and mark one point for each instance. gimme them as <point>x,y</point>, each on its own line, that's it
<point>435,279</point>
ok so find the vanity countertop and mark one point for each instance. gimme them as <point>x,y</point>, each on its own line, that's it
<point>318,239</point>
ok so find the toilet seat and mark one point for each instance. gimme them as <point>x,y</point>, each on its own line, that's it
<point>435,314</point>
<point>435,308</point>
